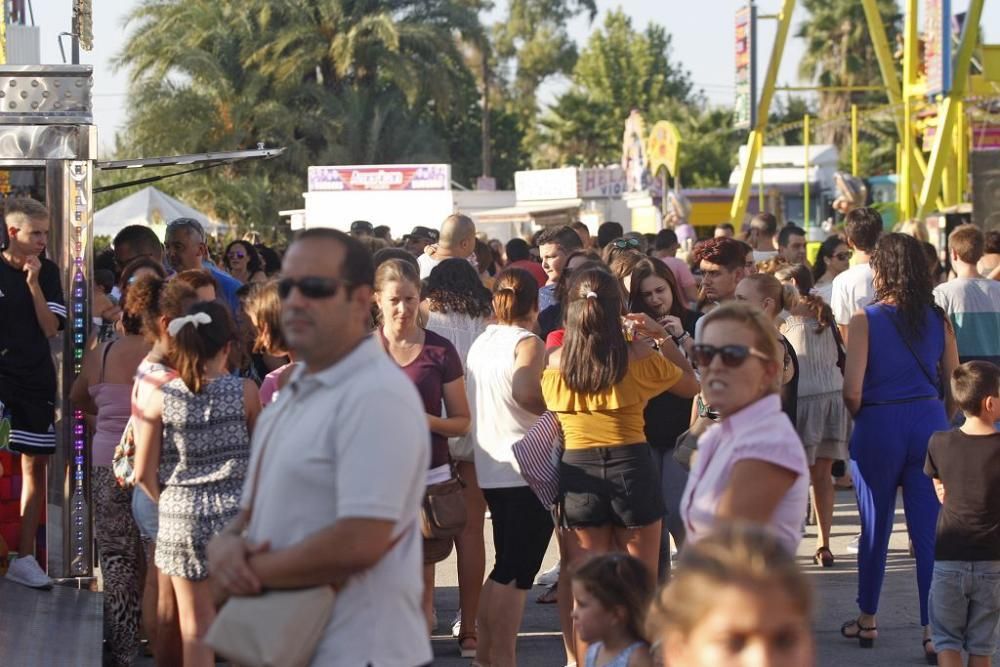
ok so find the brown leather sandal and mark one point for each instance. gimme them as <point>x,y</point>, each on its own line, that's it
<point>823,557</point>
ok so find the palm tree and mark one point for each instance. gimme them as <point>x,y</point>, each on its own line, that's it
<point>839,52</point>
<point>334,82</point>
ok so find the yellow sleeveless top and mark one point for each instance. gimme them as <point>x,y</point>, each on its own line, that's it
<point>613,417</point>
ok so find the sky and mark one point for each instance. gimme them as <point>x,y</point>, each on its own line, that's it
<point>702,42</point>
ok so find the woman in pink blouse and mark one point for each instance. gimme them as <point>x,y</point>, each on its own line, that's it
<point>751,465</point>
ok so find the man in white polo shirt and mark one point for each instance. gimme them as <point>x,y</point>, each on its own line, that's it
<point>852,290</point>
<point>345,452</point>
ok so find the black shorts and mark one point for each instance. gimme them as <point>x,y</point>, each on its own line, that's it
<point>522,528</point>
<point>601,486</point>
<point>32,412</point>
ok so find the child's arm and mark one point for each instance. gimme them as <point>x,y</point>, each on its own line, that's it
<point>939,489</point>
<point>640,657</point>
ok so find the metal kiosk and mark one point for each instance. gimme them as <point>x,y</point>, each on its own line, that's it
<point>48,150</point>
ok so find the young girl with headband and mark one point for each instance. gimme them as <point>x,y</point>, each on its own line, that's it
<point>192,452</point>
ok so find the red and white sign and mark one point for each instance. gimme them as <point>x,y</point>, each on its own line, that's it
<point>380,178</point>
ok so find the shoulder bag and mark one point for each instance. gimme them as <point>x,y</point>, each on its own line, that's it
<point>538,454</point>
<point>443,513</point>
<point>276,628</point>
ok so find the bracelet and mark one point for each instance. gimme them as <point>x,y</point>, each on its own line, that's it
<point>679,339</point>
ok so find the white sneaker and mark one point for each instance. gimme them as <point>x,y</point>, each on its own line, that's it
<point>549,577</point>
<point>26,571</point>
<point>853,547</point>
<point>456,624</point>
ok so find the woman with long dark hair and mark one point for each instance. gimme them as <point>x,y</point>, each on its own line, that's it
<point>192,451</point>
<point>243,263</point>
<point>900,350</point>
<point>457,306</point>
<point>834,258</point>
<point>598,384</point>
<point>655,292</point>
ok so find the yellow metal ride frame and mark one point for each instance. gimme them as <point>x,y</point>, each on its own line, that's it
<point>920,181</point>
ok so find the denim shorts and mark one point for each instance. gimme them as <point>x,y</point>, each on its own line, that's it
<point>146,514</point>
<point>602,486</point>
<point>965,606</point>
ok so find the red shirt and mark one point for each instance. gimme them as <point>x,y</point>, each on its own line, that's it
<point>534,268</point>
<point>555,339</point>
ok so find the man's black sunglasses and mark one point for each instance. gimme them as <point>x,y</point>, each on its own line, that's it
<point>311,287</point>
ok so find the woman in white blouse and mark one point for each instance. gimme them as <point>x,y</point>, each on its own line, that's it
<point>822,420</point>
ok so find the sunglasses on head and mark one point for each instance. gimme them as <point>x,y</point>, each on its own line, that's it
<point>625,243</point>
<point>311,287</point>
<point>732,355</point>
<point>844,256</point>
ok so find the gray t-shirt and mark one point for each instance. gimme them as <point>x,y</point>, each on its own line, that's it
<point>333,454</point>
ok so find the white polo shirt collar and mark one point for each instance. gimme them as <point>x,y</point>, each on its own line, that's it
<point>357,359</point>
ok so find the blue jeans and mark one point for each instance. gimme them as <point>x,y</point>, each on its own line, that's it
<point>965,606</point>
<point>146,514</point>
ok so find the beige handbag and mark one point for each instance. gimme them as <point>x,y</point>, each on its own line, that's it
<point>277,628</point>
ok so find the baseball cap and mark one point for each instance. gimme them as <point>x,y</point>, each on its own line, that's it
<point>421,233</point>
<point>362,228</point>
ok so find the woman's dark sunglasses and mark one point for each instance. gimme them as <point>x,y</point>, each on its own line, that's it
<point>236,255</point>
<point>732,355</point>
<point>311,287</point>
<point>622,244</point>
<point>844,256</point>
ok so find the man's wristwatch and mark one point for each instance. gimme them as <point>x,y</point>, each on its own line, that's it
<point>680,339</point>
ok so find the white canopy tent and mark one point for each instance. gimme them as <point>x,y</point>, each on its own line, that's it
<point>152,208</point>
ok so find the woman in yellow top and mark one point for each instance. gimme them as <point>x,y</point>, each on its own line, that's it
<point>598,384</point>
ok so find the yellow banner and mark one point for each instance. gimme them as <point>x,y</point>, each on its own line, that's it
<point>664,145</point>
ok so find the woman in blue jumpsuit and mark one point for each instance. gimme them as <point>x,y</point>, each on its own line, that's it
<point>899,349</point>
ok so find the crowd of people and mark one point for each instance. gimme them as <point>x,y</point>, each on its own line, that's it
<point>347,412</point>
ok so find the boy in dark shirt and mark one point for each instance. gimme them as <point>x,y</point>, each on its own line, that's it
<point>32,310</point>
<point>965,466</point>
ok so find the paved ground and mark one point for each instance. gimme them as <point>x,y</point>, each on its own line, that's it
<point>899,618</point>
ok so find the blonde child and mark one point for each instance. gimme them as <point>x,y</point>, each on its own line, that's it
<point>611,594</point>
<point>738,599</point>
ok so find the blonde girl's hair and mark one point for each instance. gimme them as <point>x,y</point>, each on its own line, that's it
<point>736,554</point>
<point>515,295</point>
<point>196,345</point>
<point>396,270</point>
<point>785,297</point>
<point>803,278</point>
<point>619,580</point>
<point>765,335</point>
<point>263,306</point>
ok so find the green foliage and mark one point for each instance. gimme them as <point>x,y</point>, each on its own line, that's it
<point>620,69</point>
<point>335,82</point>
<point>839,52</point>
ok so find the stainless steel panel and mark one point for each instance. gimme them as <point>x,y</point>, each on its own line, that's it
<point>46,94</point>
<point>61,627</point>
<point>69,525</point>
<point>47,142</point>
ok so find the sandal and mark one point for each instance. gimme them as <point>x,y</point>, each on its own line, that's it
<point>464,640</point>
<point>550,596</point>
<point>863,642</point>
<point>823,557</point>
<point>930,656</point>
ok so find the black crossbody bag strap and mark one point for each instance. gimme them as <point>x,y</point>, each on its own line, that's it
<point>930,378</point>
